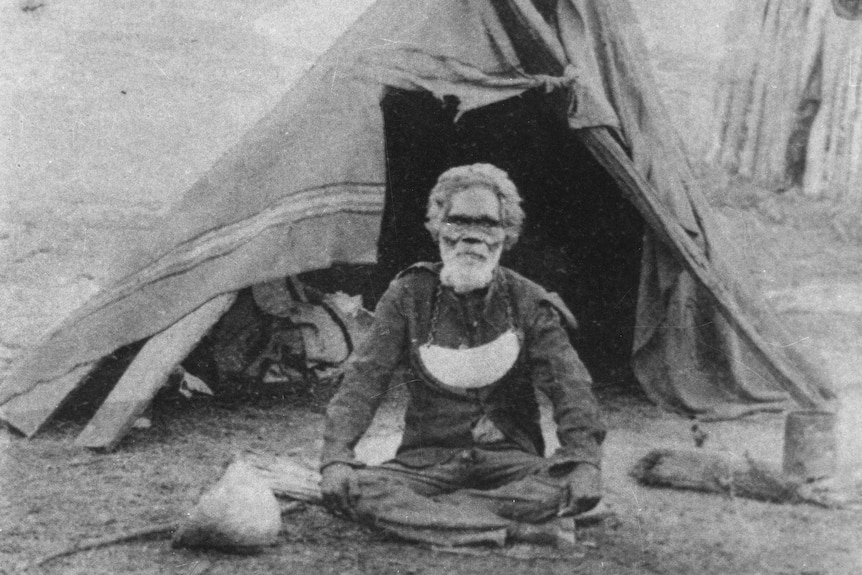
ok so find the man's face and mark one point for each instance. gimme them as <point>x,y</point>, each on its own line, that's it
<point>471,240</point>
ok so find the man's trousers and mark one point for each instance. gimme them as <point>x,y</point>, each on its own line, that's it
<point>475,496</point>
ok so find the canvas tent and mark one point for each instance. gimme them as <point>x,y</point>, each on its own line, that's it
<point>310,186</point>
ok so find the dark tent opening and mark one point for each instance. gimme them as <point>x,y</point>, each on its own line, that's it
<point>582,239</point>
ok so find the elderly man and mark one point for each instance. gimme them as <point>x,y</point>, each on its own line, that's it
<point>477,341</point>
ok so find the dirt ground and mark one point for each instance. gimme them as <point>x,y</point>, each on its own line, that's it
<point>110,111</point>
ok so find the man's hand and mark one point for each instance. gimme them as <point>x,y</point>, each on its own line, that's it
<point>584,490</point>
<point>339,486</point>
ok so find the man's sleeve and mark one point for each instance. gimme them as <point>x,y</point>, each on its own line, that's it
<point>558,372</point>
<point>366,379</point>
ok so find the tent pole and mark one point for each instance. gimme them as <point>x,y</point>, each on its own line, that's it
<point>29,411</point>
<point>813,394</point>
<point>148,373</point>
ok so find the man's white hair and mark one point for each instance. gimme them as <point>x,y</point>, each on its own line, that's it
<point>460,178</point>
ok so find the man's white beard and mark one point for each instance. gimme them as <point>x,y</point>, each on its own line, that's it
<point>464,273</point>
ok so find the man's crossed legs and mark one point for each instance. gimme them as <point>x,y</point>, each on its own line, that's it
<point>476,496</point>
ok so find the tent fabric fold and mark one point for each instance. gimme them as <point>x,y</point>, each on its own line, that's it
<point>305,189</point>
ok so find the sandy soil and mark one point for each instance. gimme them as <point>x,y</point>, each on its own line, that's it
<point>110,111</point>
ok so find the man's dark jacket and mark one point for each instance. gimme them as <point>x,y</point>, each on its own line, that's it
<point>438,420</point>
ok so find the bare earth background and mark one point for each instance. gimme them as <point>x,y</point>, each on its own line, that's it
<point>109,111</point>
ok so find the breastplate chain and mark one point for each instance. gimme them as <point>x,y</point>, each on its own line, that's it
<point>474,367</point>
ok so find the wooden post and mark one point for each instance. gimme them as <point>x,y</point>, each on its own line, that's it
<point>789,100</point>
<point>147,373</point>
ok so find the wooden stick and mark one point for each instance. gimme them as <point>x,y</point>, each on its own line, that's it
<point>148,373</point>
<point>157,530</point>
<point>151,531</point>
